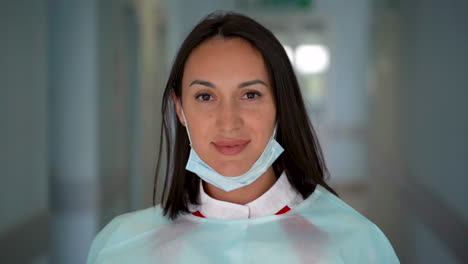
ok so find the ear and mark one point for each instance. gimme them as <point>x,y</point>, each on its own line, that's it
<point>178,108</point>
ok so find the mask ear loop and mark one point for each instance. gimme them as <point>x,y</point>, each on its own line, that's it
<point>186,124</point>
<point>274,130</point>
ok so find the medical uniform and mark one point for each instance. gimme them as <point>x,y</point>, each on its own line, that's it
<point>277,227</point>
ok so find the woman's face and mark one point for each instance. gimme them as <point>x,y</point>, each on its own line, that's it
<point>229,104</point>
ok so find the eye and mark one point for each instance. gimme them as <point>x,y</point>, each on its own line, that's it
<point>204,97</point>
<point>252,95</point>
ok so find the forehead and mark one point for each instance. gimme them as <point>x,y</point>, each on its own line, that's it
<point>225,59</point>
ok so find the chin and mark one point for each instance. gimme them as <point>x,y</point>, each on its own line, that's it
<point>233,169</point>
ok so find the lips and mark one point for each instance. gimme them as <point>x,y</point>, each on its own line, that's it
<point>231,147</point>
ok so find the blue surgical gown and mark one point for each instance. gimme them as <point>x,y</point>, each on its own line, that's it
<point>322,229</point>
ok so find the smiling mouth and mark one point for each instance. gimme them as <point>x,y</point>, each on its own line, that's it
<point>231,147</point>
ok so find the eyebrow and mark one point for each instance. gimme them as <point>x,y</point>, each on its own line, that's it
<point>241,85</point>
<point>252,82</point>
<point>204,83</point>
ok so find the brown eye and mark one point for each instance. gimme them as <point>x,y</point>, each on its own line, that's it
<point>251,95</point>
<point>204,97</point>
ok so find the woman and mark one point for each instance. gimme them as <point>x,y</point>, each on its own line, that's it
<point>245,178</point>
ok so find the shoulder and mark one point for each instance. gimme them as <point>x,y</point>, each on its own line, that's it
<point>126,227</point>
<point>325,204</point>
<point>357,237</point>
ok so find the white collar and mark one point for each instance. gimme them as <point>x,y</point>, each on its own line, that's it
<point>281,194</point>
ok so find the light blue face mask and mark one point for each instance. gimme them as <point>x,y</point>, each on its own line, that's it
<point>228,183</point>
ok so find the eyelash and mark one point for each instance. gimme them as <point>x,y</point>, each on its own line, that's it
<point>201,95</point>
<point>257,94</point>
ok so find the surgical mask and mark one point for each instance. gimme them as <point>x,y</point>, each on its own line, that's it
<point>228,183</point>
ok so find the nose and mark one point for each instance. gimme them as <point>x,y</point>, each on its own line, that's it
<point>229,118</point>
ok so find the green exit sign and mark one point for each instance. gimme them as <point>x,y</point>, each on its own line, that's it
<point>274,4</point>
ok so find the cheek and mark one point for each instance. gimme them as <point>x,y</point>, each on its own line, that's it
<point>261,122</point>
<point>201,127</point>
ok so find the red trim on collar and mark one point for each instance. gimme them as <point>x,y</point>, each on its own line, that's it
<point>282,211</point>
<point>197,213</point>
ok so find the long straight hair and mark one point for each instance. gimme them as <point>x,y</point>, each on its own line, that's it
<point>302,159</point>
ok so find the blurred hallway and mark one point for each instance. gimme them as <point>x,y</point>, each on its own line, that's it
<point>385,84</point>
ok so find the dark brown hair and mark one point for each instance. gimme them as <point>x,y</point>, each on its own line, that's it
<point>302,159</point>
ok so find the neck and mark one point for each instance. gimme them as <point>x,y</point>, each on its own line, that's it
<point>246,194</point>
